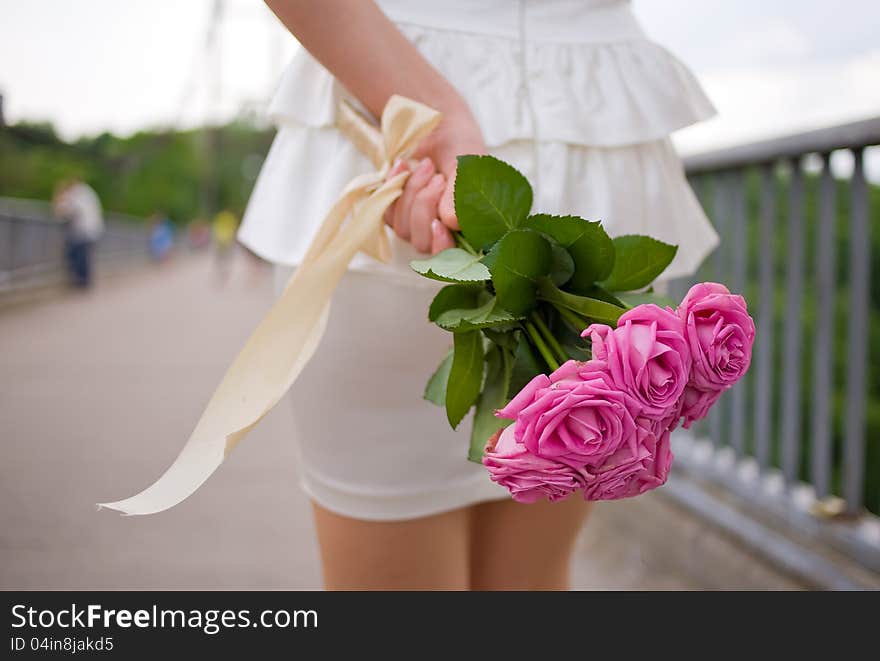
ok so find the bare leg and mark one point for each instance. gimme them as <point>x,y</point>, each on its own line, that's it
<point>524,547</point>
<point>429,553</point>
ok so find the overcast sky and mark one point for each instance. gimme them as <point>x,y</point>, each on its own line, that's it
<point>770,66</point>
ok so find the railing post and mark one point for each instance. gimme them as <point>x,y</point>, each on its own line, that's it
<point>737,234</point>
<point>764,340</point>
<point>857,338</point>
<point>794,282</point>
<point>820,425</point>
<point>721,210</point>
<point>14,243</point>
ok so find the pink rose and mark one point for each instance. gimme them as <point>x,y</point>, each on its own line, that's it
<point>577,413</point>
<point>695,404</point>
<point>529,477</point>
<point>647,357</point>
<point>635,468</point>
<point>720,334</point>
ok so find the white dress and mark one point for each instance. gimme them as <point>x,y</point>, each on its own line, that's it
<point>573,94</point>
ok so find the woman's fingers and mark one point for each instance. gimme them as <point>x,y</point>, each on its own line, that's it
<point>395,170</point>
<point>441,237</point>
<point>423,212</point>
<point>417,181</point>
<point>414,215</point>
<point>446,208</point>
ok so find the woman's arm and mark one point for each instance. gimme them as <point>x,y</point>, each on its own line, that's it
<point>357,43</point>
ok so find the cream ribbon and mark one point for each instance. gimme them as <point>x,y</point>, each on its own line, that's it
<point>287,337</point>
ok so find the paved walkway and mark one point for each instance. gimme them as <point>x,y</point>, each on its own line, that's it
<point>99,391</point>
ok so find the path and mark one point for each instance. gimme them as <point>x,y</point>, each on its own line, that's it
<point>97,394</point>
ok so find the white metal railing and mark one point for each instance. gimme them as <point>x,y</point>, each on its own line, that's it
<point>796,239</point>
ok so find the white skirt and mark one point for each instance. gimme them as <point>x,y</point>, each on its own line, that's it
<point>571,93</point>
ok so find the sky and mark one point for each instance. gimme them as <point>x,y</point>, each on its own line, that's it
<point>770,66</point>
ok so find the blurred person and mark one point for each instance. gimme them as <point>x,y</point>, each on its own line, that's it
<point>223,230</point>
<point>161,237</point>
<point>570,92</point>
<point>198,234</point>
<point>77,204</point>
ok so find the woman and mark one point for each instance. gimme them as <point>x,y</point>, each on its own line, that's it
<point>572,94</point>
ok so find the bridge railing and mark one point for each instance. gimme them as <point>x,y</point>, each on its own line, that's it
<point>32,242</point>
<point>795,216</point>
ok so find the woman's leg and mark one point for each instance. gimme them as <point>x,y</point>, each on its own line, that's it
<point>518,546</point>
<point>430,553</point>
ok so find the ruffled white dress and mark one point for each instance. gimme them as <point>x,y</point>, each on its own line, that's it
<point>573,94</point>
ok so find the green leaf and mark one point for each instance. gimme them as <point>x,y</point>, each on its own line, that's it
<point>499,366</point>
<point>591,308</point>
<point>590,247</point>
<point>597,292</point>
<point>521,257</point>
<point>526,365</point>
<point>465,376</point>
<point>488,315</point>
<point>459,308</point>
<point>453,297</point>
<point>491,197</point>
<point>452,265</point>
<point>562,266</point>
<point>435,390</point>
<point>506,339</point>
<point>639,259</point>
<point>488,260</point>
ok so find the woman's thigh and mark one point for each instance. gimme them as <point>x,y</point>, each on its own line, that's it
<point>429,553</point>
<point>516,546</point>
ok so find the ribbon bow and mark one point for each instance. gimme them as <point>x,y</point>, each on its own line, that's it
<point>286,338</point>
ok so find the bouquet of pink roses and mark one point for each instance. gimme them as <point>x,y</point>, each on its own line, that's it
<point>573,387</point>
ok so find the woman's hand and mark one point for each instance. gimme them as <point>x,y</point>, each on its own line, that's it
<point>424,214</point>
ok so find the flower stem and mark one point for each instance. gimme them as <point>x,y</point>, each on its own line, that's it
<point>577,322</point>
<point>548,336</point>
<point>462,243</point>
<point>538,341</point>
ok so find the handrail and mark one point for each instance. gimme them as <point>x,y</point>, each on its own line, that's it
<point>28,209</point>
<point>854,135</point>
